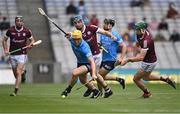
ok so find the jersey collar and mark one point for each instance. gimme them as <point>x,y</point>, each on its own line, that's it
<point>84,28</point>
<point>146,33</point>
<point>19,29</point>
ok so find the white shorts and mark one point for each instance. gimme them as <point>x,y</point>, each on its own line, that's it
<point>15,59</point>
<point>148,67</point>
<point>98,60</point>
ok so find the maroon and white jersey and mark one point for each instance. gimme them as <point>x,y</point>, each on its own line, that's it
<point>146,42</point>
<point>90,36</point>
<point>18,39</point>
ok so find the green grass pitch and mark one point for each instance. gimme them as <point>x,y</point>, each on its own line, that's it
<point>45,98</point>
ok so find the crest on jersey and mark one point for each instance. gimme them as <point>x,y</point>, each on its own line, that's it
<point>89,32</point>
<point>24,34</point>
<point>19,34</point>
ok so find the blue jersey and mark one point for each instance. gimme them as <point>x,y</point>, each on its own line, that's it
<point>111,46</point>
<point>82,51</point>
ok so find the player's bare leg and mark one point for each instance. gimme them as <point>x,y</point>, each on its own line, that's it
<point>90,86</point>
<point>151,77</point>
<point>103,72</point>
<point>76,72</point>
<point>107,90</point>
<point>18,75</point>
<point>80,72</point>
<point>138,80</point>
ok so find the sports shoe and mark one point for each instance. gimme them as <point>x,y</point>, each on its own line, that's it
<point>96,94</point>
<point>146,95</point>
<point>171,83</point>
<point>87,93</point>
<point>13,94</point>
<point>121,82</point>
<point>65,93</point>
<point>108,93</point>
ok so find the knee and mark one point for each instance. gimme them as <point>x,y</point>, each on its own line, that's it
<point>135,79</point>
<point>18,72</point>
<point>82,81</point>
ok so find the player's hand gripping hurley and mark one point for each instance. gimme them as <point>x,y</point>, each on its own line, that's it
<point>35,43</point>
<point>41,11</point>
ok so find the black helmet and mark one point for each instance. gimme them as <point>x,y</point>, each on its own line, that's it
<point>109,21</point>
<point>19,17</point>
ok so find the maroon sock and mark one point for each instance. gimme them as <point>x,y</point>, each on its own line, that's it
<point>15,90</point>
<point>146,91</point>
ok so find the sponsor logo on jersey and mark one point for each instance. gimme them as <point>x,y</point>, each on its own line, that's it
<point>18,41</point>
<point>13,33</point>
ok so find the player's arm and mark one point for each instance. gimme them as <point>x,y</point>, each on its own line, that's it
<point>68,35</point>
<point>107,33</point>
<point>124,49</point>
<point>5,45</point>
<point>93,67</point>
<point>30,40</point>
<point>138,57</point>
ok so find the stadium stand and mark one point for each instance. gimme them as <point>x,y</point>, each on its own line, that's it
<point>168,52</point>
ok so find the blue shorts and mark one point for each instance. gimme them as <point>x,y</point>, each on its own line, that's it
<point>88,66</point>
<point>108,65</point>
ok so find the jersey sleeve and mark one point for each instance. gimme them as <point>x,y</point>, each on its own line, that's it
<point>7,33</point>
<point>87,51</point>
<point>29,34</point>
<point>119,38</point>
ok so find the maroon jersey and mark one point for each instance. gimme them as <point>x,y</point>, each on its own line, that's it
<point>146,42</point>
<point>89,35</point>
<point>18,39</point>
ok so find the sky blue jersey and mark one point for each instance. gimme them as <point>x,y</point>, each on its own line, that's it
<point>111,46</point>
<point>82,52</point>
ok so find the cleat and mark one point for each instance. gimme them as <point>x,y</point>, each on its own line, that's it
<point>121,82</point>
<point>96,94</point>
<point>13,94</point>
<point>64,93</point>
<point>147,95</point>
<point>87,93</point>
<point>108,93</point>
<point>171,83</point>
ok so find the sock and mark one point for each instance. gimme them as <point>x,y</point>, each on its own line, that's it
<point>69,89</point>
<point>107,89</point>
<point>146,91</point>
<point>118,79</point>
<point>15,90</point>
<point>162,79</point>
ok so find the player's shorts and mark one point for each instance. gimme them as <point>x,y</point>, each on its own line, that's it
<point>17,59</point>
<point>88,66</point>
<point>108,65</point>
<point>98,60</point>
<point>148,67</point>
